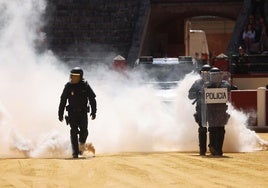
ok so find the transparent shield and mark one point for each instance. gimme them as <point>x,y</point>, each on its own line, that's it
<point>203,109</point>
<point>214,100</point>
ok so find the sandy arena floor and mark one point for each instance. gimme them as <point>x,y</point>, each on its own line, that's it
<point>139,170</point>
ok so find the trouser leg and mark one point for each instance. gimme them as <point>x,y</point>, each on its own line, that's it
<point>202,137</point>
<point>216,137</point>
<point>74,125</point>
<point>74,140</point>
<point>213,141</point>
<point>83,136</point>
<point>221,134</point>
<point>83,133</point>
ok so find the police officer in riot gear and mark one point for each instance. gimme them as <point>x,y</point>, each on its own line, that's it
<point>217,116</point>
<point>79,95</point>
<point>196,93</point>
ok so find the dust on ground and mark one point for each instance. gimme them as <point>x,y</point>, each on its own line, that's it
<point>158,169</point>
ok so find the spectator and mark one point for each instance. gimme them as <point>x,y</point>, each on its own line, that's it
<point>252,21</point>
<point>212,57</point>
<point>204,58</point>
<point>196,62</point>
<point>263,41</point>
<point>240,62</point>
<point>249,36</point>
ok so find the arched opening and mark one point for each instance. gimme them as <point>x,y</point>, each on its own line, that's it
<point>167,32</point>
<point>217,31</point>
<point>167,29</point>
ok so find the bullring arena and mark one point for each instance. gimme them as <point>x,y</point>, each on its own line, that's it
<point>139,141</point>
<point>140,169</point>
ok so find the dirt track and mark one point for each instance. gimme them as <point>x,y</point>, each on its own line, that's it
<point>139,170</point>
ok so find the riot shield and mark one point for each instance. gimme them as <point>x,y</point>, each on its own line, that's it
<point>214,99</point>
<point>205,77</point>
<point>203,107</point>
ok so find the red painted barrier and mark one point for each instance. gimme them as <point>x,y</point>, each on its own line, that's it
<point>246,101</point>
<point>266,107</point>
<point>222,64</point>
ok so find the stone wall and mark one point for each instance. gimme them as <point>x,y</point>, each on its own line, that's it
<point>92,28</point>
<point>98,29</point>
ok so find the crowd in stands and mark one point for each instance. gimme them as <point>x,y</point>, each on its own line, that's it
<point>254,38</point>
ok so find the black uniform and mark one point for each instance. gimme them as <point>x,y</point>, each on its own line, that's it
<point>240,63</point>
<point>78,96</point>
<point>217,118</point>
<point>196,93</point>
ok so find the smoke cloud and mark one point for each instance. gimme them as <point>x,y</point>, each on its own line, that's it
<point>130,115</point>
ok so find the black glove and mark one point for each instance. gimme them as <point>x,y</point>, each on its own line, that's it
<point>93,116</point>
<point>61,118</point>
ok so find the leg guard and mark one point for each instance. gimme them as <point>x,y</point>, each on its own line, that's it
<point>221,133</point>
<point>83,136</point>
<point>202,137</point>
<point>83,133</point>
<point>74,141</point>
<point>213,141</point>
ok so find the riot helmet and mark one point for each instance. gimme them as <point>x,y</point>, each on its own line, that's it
<point>215,75</point>
<point>76,75</point>
<point>204,72</point>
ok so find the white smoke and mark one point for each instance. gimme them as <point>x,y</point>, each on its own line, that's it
<point>30,83</point>
<point>130,116</point>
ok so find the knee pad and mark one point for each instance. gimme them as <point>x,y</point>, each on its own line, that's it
<point>202,130</point>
